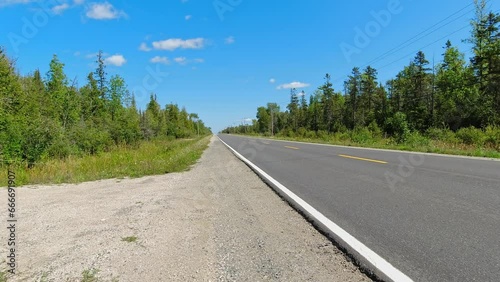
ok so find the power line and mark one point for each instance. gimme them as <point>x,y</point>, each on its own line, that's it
<point>413,40</point>
<point>420,36</point>
<point>417,37</point>
<point>409,54</point>
<point>432,43</point>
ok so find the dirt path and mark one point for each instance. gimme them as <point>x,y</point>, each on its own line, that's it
<point>217,222</point>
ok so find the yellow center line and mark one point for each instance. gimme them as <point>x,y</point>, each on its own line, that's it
<point>293,148</point>
<point>363,159</point>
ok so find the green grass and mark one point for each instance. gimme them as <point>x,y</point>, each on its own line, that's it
<point>89,275</point>
<point>3,276</point>
<point>130,239</point>
<point>149,158</point>
<point>420,144</point>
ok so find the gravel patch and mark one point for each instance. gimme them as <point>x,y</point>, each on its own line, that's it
<point>216,222</point>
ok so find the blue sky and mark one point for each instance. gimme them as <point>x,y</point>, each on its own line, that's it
<point>224,58</point>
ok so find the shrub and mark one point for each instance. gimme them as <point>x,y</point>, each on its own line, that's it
<point>361,135</point>
<point>310,134</point>
<point>61,148</point>
<point>92,140</point>
<point>375,130</point>
<point>444,135</point>
<point>323,135</point>
<point>415,139</point>
<point>471,136</point>
<point>343,136</point>
<point>492,137</point>
<point>398,126</point>
<point>301,132</point>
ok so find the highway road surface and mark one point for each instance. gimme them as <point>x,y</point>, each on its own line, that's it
<point>433,217</point>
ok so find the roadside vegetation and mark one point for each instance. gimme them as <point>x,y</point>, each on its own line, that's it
<point>451,108</point>
<point>148,158</point>
<point>53,131</point>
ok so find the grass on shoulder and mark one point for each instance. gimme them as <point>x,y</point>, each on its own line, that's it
<point>130,239</point>
<point>149,158</point>
<point>416,144</point>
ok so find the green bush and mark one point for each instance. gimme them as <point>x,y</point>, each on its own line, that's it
<point>398,126</point>
<point>343,136</point>
<point>310,134</point>
<point>492,137</point>
<point>361,135</point>
<point>92,140</point>
<point>61,147</point>
<point>444,135</point>
<point>375,130</point>
<point>471,136</point>
<point>323,135</point>
<point>415,139</point>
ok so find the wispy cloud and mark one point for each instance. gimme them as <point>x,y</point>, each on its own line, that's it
<point>272,80</point>
<point>185,61</point>
<point>229,40</point>
<point>4,3</point>
<point>144,47</point>
<point>180,60</point>
<point>188,17</point>
<point>291,85</point>
<point>176,43</point>
<point>59,9</point>
<point>160,60</point>
<point>103,11</point>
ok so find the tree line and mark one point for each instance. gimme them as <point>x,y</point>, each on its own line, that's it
<point>453,95</point>
<point>52,117</point>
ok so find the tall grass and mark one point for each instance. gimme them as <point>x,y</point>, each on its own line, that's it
<point>149,158</point>
<point>466,141</point>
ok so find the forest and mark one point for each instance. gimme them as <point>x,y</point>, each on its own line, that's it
<point>45,117</point>
<point>456,101</point>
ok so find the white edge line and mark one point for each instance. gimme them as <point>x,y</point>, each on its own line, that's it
<point>376,263</point>
<point>374,149</point>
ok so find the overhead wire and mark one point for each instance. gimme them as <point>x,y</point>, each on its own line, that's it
<point>428,31</point>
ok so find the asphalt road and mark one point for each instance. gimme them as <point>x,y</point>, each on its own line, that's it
<point>435,218</point>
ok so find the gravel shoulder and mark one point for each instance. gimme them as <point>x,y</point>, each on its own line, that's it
<point>216,222</point>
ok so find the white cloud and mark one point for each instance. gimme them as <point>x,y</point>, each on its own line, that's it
<point>185,61</point>
<point>188,17</point>
<point>59,9</point>
<point>92,55</point>
<point>272,80</point>
<point>176,43</point>
<point>103,11</point>
<point>4,3</point>
<point>78,2</point>
<point>116,60</point>
<point>144,47</point>
<point>77,53</point>
<point>180,60</point>
<point>229,40</point>
<point>160,60</point>
<point>291,85</point>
